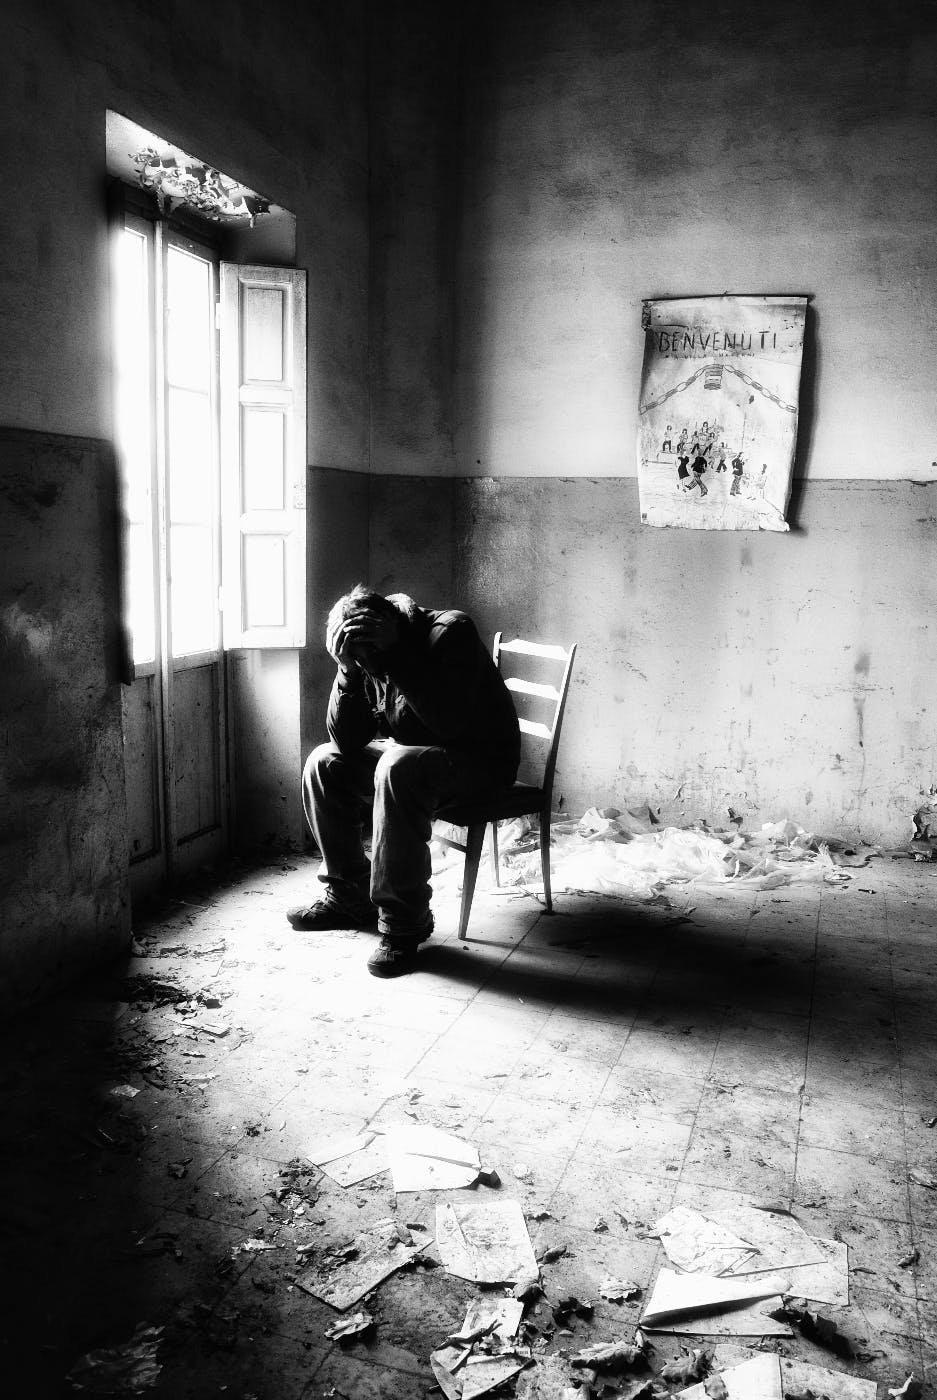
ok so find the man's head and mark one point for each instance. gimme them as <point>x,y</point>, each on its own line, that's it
<point>364,623</point>
<point>361,599</point>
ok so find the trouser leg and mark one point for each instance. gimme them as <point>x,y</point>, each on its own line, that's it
<point>411,783</point>
<point>337,787</point>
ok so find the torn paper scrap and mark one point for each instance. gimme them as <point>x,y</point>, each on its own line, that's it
<point>446,1363</point>
<point>375,1255</point>
<point>361,1165</point>
<point>700,1245</point>
<point>485,1243</point>
<point>330,1149</point>
<point>486,1373</point>
<point>758,1319</point>
<point>826,1282</point>
<point>349,1159</point>
<point>481,1356</point>
<point>348,1328</point>
<point>756,1379</point>
<point>424,1158</point>
<point>489,1317</point>
<point>463,1375</point>
<point>802,1377</point>
<point>677,1297</point>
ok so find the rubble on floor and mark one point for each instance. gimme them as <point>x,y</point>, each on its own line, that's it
<point>629,852</point>
<point>366,1246</point>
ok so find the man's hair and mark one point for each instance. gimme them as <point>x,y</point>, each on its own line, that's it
<point>361,597</point>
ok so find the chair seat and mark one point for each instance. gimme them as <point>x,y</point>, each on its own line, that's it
<point>517,801</point>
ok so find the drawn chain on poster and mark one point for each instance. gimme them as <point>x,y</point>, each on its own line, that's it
<point>718,410</point>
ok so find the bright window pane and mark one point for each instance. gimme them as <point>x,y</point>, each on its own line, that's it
<point>193,591</point>
<point>188,320</point>
<point>134,434</point>
<point>190,457</point>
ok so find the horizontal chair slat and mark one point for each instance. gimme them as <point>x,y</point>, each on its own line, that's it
<point>546,692</point>
<point>535,649</point>
<point>529,726</point>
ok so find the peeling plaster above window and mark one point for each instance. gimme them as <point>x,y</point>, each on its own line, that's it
<point>179,180</point>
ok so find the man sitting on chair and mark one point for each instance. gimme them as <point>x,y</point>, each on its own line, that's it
<point>419,718</point>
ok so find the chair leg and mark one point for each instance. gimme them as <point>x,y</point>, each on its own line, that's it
<point>493,839</point>
<point>474,840</point>
<point>545,859</point>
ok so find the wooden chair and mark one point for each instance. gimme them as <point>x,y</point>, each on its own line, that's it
<point>525,798</point>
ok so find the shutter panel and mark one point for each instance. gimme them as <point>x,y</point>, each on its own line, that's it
<point>263,455</point>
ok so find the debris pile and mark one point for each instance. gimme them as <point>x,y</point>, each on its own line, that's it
<point>629,853</point>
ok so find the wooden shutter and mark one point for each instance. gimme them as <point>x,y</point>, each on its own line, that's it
<point>263,455</point>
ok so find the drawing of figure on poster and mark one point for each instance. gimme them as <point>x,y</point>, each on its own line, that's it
<point>718,411</point>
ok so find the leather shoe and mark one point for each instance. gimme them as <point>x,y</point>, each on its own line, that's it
<point>331,913</point>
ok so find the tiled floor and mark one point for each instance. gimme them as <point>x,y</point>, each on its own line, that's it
<point>776,1046</point>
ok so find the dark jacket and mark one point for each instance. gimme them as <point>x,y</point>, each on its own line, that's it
<point>440,686</point>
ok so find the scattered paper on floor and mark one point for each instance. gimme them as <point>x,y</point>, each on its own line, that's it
<point>497,1317</point>
<point>801,1377</point>
<point>359,1166</point>
<point>485,1243</point>
<point>680,1297</point>
<point>756,1379</point>
<point>623,853</point>
<point>781,1241</point>
<point>745,1320</point>
<point>374,1255</point>
<point>332,1149</point>
<point>700,1245</point>
<point>481,1356</point>
<point>742,1241</point>
<point>424,1158</point>
<point>826,1282</point>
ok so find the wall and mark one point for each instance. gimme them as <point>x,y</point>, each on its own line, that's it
<point>415,148</point>
<point>63,852</point>
<point>615,152</point>
<point>782,675</point>
<point>608,153</point>
<point>276,96</point>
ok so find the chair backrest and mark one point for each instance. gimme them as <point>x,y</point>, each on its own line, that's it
<point>540,704</point>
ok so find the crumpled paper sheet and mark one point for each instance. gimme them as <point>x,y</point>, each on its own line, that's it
<point>741,1241</point>
<point>698,1245</point>
<point>464,1373</point>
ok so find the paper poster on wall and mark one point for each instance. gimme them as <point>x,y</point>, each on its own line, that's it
<point>718,410</point>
